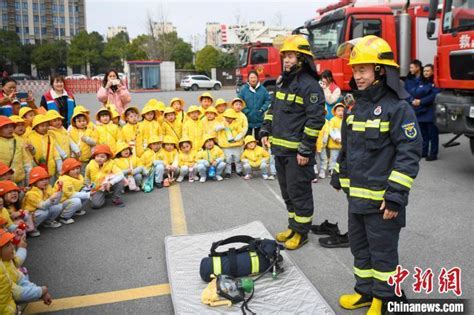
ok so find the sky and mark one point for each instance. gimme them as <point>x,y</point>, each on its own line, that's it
<point>190,17</point>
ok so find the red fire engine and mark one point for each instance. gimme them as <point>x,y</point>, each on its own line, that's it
<point>454,68</point>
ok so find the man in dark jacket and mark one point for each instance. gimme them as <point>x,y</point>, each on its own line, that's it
<point>292,125</point>
<point>381,149</point>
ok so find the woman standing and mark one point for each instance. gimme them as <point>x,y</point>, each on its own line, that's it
<point>113,91</point>
<point>9,102</point>
<point>423,103</point>
<point>59,99</point>
<point>332,92</point>
<point>257,100</point>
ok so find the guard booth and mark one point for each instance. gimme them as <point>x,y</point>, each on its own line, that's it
<point>150,75</point>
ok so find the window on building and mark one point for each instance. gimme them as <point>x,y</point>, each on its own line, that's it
<point>35,6</point>
<point>36,18</point>
<point>24,5</point>
<point>61,8</point>
<point>73,31</point>
<point>5,18</point>
<point>17,5</point>
<point>37,30</point>
<point>63,32</point>
<point>55,8</point>
<point>25,18</point>
<point>76,8</point>
<point>62,20</point>
<point>18,18</point>
<point>42,7</point>
<point>56,31</point>
<point>5,27</point>
<point>43,30</point>
<point>43,19</point>
<point>55,20</point>
<point>3,4</point>
<point>26,29</point>
<point>17,29</point>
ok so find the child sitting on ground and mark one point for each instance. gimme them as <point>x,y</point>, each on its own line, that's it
<point>151,160</point>
<point>171,127</point>
<point>170,158</point>
<point>41,200</point>
<point>131,166</point>
<point>10,193</point>
<point>106,177</point>
<point>71,183</point>
<point>130,130</point>
<point>187,161</point>
<point>17,288</point>
<point>254,157</point>
<point>227,136</point>
<point>211,157</point>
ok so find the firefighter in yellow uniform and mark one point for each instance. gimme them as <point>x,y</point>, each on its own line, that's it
<point>381,149</point>
<point>291,125</point>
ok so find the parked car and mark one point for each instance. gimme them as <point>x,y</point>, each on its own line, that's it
<point>195,82</point>
<point>21,76</point>
<point>76,76</point>
<point>100,77</point>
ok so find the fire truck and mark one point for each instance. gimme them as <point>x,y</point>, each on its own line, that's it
<point>454,68</point>
<point>402,25</point>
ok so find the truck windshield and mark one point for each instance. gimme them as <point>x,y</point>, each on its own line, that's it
<point>243,56</point>
<point>458,15</point>
<point>324,39</point>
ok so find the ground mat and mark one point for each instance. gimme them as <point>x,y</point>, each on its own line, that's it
<point>290,293</point>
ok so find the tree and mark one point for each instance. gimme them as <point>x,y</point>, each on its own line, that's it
<point>137,49</point>
<point>115,50</point>
<point>226,60</point>
<point>10,49</point>
<point>182,54</point>
<point>86,49</point>
<point>206,59</point>
<point>49,56</point>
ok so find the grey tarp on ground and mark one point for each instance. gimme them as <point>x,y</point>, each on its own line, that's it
<point>290,293</point>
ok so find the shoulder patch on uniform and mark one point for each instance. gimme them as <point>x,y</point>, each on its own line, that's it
<point>409,129</point>
<point>314,98</point>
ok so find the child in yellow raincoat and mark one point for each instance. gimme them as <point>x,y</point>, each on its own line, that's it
<point>64,145</point>
<point>148,127</point>
<point>153,157</point>
<point>254,157</point>
<point>321,166</point>
<point>105,176</point>
<point>210,156</point>
<point>187,161</point>
<point>10,193</point>
<point>12,153</point>
<point>178,105</point>
<point>28,114</point>
<point>22,138</point>
<point>205,100</point>
<point>171,126</point>
<point>170,158</point>
<point>131,130</point>
<point>209,121</point>
<point>228,137</point>
<point>193,127</point>
<point>15,286</point>
<point>237,104</point>
<point>221,106</point>
<point>83,134</point>
<point>109,133</point>
<point>130,165</point>
<point>334,143</point>
<point>45,153</point>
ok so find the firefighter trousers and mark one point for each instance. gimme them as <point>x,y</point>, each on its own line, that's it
<point>295,185</point>
<point>374,245</point>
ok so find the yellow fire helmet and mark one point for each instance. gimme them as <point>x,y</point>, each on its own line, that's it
<point>297,43</point>
<point>367,49</point>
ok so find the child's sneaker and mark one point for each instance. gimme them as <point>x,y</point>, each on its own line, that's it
<point>66,221</point>
<point>219,178</point>
<point>34,233</point>
<point>322,174</point>
<point>180,178</point>
<point>314,181</point>
<point>226,176</point>
<point>265,176</point>
<point>159,185</point>
<point>196,177</point>
<point>51,224</point>
<point>271,177</point>
<point>247,176</point>
<point>80,213</point>
<point>118,202</point>
<point>191,179</point>
<point>202,180</point>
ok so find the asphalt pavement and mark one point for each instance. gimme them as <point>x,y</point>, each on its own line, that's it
<point>116,249</point>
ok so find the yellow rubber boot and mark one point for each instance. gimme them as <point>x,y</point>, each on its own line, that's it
<point>296,241</point>
<point>354,301</point>
<point>284,236</point>
<point>375,308</point>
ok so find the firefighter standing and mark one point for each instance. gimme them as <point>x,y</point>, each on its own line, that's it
<point>381,148</point>
<point>292,125</point>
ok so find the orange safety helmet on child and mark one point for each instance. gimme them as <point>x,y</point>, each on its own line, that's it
<point>69,164</point>
<point>38,173</point>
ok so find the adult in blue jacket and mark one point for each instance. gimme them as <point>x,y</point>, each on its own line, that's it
<point>414,77</point>
<point>257,100</point>
<point>423,103</point>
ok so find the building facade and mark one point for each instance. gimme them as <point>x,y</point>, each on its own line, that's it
<point>112,31</point>
<point>160,28</point>
<point>212,36</point>
<point>37,21</point>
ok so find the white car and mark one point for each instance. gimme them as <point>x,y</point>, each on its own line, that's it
<point>76,76</point>
<point>99,77</point>
<point>195,82</point>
